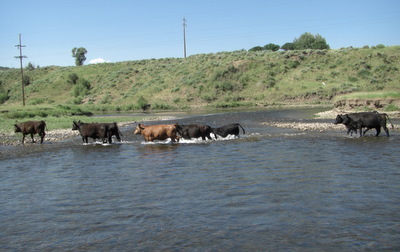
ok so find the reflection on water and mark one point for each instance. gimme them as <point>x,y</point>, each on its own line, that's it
<point>271,189</point>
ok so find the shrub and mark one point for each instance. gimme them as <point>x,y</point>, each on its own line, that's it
<point>142,102</point>
<point>26,80</point>
<point>364,73</point>
<point>82,88</point>
<point>73,78</point>
<point>3,94</point>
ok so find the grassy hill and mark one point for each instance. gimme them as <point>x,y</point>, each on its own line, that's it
<point>226,79</point>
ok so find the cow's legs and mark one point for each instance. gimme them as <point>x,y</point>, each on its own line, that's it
<point>42,137</point>
<point>33,140</point>
<point>378,131</point>
<point>386,130</point>
<point>361,132</point>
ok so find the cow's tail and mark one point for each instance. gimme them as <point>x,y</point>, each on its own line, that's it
<point>242,128</point>
<point>386,115</point>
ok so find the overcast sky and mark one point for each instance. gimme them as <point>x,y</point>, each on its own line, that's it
<point>122,30</point>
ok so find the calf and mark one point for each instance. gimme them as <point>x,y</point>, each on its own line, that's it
<point>361,120</point>
<point>31,127</point>
<point>230,129</point>
<point>92,130</point>
<point>194,131</point>
<point>157,132</point>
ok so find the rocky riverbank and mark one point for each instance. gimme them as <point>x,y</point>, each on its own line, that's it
<point>321,127</point>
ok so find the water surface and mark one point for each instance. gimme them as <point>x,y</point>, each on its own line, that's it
<point>271,190</point>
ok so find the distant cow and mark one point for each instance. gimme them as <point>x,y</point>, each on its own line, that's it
<point>230,129</point>
<point>31,127</point>
<point>369,120</point>
<point>157,132</point>
<point>92,130</point>
<point>145,107</point>
<point>194,131</point>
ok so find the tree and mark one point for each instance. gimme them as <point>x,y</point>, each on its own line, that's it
<point>79,55</point>
<point>271,47</point>
<point>309,41</point>
<point>288,46</point>
<point>256,48</point>
<point>30,67</point>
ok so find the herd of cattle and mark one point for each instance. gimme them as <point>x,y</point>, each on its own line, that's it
<point>354,122</point>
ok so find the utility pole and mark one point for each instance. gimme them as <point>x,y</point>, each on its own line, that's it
<point>184,37</point>
<point>20,57</point>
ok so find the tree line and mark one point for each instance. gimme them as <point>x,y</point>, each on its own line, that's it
<point>305,41</point>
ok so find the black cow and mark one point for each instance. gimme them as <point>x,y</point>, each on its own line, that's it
<point>369,120</point>
<point>92,130</point>
<point>194,131</point>
<point>111,128</point>
<point>230,129</point>
<point>31,127</point>
<point>351,126</point>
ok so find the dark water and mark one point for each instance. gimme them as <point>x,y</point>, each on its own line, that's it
<point>269,190</point>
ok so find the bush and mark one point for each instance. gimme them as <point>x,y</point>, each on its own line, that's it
<point>3,94</point>
<point>309,41</point>
<point>82,88</point>
<point>73,78</point>
<point>142,102</point>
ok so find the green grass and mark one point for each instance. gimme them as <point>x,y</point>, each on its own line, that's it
<point>370,95</point>
<point>226,79</point>
<point>59,117</point>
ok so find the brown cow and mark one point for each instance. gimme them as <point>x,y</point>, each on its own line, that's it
<point>157,132</point>
<point>31,127</point>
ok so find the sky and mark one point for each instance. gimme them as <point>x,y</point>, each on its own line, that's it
<point>124,30</point>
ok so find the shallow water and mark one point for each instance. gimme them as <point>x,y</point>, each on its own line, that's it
<point>271,189</point>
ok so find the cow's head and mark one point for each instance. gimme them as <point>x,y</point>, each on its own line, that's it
<point>347,120</point>
<point>75,125</point>
<point>17,128</point>
<point>138,129</point>
<point>339,119</point>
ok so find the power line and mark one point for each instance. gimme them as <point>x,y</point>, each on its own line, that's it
<point>20,57</point>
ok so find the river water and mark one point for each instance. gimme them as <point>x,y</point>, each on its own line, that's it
<point>268,190</point>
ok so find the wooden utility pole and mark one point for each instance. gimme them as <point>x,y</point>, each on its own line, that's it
<point>20,57</point>
<point>184,37</point>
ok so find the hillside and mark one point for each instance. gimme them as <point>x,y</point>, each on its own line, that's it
<point>226,79</point>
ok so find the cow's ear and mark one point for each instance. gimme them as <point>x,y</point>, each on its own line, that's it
<point>140,126</point>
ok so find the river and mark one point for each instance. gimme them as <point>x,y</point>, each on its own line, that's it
<point>271,189</point>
